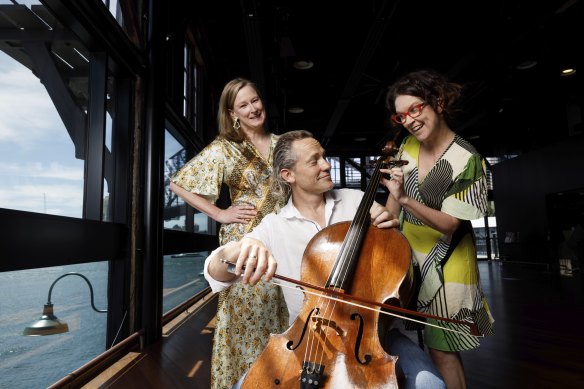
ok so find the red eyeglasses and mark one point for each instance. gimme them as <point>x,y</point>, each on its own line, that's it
<point>414,111</point>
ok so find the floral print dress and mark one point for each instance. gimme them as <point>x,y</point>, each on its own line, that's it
<point>246,315</point>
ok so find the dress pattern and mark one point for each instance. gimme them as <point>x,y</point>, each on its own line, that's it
<point>450,285</point>
<point>246,315</point>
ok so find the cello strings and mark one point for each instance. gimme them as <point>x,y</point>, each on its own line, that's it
<point>348,250</point>
<point>319,352</point>
<point>350,245</point>
<point>313,344</point>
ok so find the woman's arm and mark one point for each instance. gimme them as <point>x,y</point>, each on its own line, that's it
<point>235,214</point>
<point>381,217</point>
<point>398,198</point>
<point>438,220</point>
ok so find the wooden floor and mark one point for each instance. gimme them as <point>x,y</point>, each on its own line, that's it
<point>538,341</point>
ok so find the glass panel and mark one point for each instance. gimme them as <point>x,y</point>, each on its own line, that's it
<point>38,170</point>
<point>109,175</point>
<point>38,361</point>
<point>196,101</point>
<point>335,170</point>
<point>176,210</point>
<point>43,103</point>
<point>186,81</point>
<point>481,235</point>
<point>106,215</point>
<point>191,103</point>
<point>115,10</point>
<point>353,176</point>
<point>183,278</point>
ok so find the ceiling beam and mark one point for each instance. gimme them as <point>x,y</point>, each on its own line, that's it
<point>369,47</point>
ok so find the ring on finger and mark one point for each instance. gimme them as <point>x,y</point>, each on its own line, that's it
<point>252,257</point>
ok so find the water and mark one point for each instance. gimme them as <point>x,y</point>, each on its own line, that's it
<point>37,362</point>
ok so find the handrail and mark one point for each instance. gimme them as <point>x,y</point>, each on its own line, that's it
<point>91,369</point>
<point>174,312</point>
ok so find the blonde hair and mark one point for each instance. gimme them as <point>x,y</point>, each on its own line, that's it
<point>284,158</point>
<point>226,103</point>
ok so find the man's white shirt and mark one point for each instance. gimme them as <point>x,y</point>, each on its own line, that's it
<point>287,233</point>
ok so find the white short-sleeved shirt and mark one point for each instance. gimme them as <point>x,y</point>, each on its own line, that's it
<point>287,233</point>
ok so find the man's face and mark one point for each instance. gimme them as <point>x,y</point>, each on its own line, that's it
<point>311,173</point>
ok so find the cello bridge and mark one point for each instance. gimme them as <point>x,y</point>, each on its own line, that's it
<point>319,322</point>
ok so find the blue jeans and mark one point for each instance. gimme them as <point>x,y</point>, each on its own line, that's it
<point>413,363</point>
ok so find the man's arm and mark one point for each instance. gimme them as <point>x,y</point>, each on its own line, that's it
<point>252,260</point>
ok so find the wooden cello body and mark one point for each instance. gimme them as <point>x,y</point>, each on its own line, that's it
<point>336,344</point>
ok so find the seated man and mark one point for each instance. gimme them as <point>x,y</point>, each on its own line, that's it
<point>301,170</point>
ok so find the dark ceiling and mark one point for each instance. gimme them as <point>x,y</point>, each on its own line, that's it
<point>359,49</point>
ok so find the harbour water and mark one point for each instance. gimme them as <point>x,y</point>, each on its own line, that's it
<point>37,362</point>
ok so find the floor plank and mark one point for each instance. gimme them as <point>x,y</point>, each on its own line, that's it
<point>538,341</point>
<point>538,338</point>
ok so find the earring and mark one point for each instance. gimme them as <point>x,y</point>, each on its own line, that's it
<point>236,124</point>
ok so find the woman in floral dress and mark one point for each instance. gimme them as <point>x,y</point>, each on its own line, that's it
<point>241,158</point>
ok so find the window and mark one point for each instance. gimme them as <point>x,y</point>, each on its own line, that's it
<point>64,147</point>
<point>191,81</point>
<point>177,214</point>
<point>39,169</point>
<point>39,361</point>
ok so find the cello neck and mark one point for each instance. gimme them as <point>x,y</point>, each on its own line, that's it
<point>342,272</point>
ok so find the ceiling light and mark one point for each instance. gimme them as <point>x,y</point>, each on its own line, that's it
<point>303,65</point>
<point>567,72</point>
<point>295,109</point>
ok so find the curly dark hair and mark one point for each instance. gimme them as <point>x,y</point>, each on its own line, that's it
<point>432,87</point>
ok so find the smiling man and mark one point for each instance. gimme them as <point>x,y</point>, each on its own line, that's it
<point>279,241</point>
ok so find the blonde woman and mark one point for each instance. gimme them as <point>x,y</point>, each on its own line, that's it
<point>241,158</point>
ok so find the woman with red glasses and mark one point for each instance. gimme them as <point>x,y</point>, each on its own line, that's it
<point>440,190</point>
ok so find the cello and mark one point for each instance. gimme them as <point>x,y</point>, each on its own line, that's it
<point>337,345</point>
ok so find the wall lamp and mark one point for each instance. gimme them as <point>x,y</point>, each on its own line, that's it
<point>49,324</point>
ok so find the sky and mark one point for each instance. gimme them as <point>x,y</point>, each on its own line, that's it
<point>38,169</point>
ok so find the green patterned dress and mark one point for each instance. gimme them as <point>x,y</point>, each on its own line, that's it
<point>246,316</point>
<point>456,185</point>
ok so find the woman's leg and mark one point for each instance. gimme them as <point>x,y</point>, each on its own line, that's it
<point>450,365</point>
